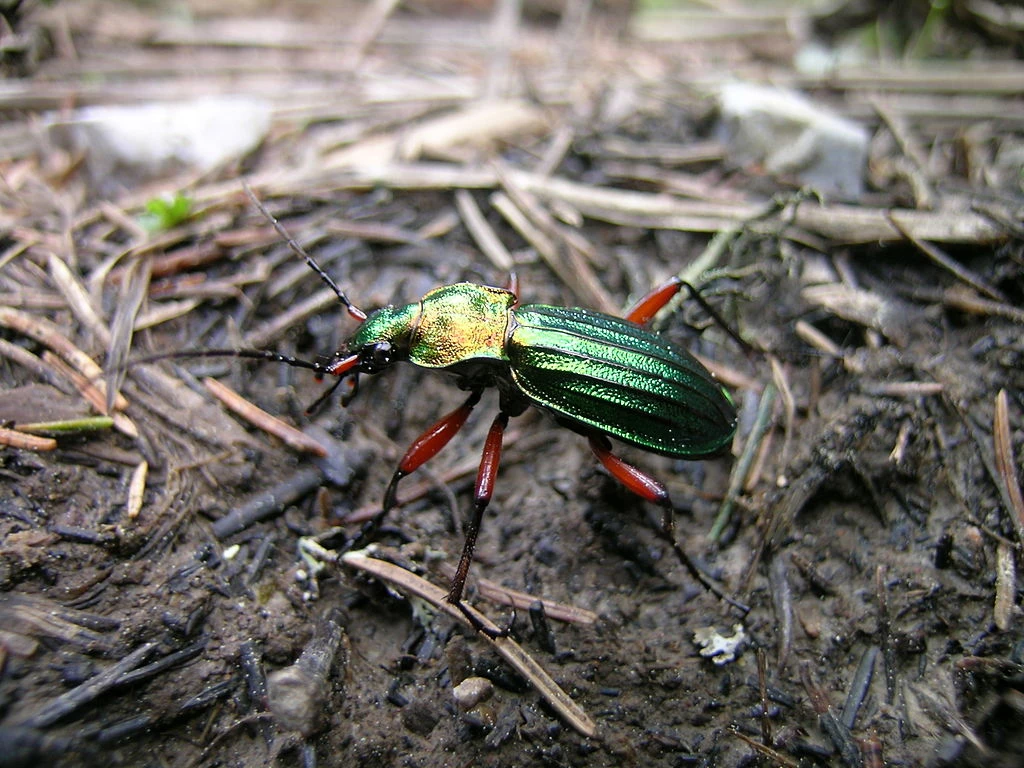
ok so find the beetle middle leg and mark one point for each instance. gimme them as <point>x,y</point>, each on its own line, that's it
<point>425,447</point>
<point>653,490</point>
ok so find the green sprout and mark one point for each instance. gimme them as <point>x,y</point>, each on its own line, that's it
<point>166,212</point>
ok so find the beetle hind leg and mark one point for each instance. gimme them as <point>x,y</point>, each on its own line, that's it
<point>647,307</point>
<point>482,493</point>
<point>653,490</point>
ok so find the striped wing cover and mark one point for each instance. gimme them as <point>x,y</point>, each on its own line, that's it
<point>610,374</point>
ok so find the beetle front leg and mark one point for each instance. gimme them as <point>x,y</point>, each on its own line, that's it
<point>427,445</point>
<point>423,448</point>
<point>653,490</point>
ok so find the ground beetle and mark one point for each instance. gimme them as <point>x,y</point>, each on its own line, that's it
<point>599,375</point>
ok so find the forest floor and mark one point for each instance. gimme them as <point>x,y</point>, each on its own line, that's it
<point>159,569</point>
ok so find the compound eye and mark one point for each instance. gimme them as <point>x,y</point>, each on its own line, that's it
<point>380,355</point>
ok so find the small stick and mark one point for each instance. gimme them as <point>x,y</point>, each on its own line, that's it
<point>256,416</point>
<point>94,391</point>
<point>482,232</point>
<point>950,264</point>
<point>267,503</point>
<point>1006,465</point>
<point>15,439</point>
<point>742,468</point>
<point>523,663</point>
<point>47,334</point>
<point>67,426</point>
<point>859,686</point>
<point>782,600</point>
<point>1006,585</point>
<point>76,698</point>
<point>137,490</point>
<point>496,593</point>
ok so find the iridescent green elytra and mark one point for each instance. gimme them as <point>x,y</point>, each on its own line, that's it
<point>593,372</point>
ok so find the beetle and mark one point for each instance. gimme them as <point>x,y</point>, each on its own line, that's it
<point>599,375</point>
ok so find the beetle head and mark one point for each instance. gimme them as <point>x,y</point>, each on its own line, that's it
<point>381,340</point>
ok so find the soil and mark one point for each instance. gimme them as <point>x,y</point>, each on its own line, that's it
<point>872,543</point>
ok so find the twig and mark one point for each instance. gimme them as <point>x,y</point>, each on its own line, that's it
<point>78,299</point>
<point>76,698</point>
<point>47,334</point>
<point>93,391</point>
<point>482,232</point>
<point>963,299</point>
<point>523,663</point>
<point>164,312</point>
<point>269,502</point>
<point>1006,585</point>
<point>505,21</point>
<point>782,600</point>
<point>958,270</point>
<point>776,757</point>
<point>903,388</point>
<point>15,439</point>
<point>885,634</point>
<point>522,224</point>
<point>137,490</point>
<point>496,593</point>
<point>740,471</point>
<point>859,687</point>
<point>1009,486</point>
<point>119,339</point>
<point>289,435</point>
<point>788,407</point>
<point>81,425</point>
<point>762,691</point>
<point>566,259</point>
<point>833,727</point>
<point>841,223</point>
<point>367,29</point>
<point>560,142</point>
<point>817,339</point>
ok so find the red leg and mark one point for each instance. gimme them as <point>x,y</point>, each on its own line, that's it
<point>643,485</point>
<point>513,286</point>
<point>427,445</point>
<point>641,312</point>
<point>485,477</point>
<point>649,305</point>
<point>652,490</point>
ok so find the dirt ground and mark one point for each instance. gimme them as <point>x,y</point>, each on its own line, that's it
<point>874,530</point>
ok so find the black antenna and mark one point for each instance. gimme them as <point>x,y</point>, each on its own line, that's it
<point>252,354</point>
<point>298,250</point>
